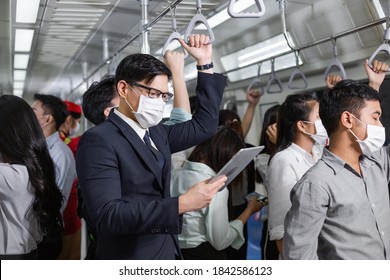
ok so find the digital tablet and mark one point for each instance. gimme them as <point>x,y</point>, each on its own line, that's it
<point>237,163</point>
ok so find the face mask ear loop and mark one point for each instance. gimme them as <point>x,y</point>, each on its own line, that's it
<point>128,104</point>
<point>358,121</point>
<point>354,134</point>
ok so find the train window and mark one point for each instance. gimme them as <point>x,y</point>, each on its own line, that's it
<point>245,60</point>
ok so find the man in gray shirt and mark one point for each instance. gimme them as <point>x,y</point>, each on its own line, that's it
<point>340,207</point>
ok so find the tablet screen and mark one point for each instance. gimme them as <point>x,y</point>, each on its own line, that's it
<point>237,163</point>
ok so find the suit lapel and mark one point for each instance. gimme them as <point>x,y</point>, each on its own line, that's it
<point>139,146</point>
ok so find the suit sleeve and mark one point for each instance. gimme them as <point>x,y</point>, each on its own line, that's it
<point>209,92</point>
<point>101,187</point>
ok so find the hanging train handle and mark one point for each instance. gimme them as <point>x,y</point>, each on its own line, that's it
<point>384,47</point>
<point>198,18</point>
<point>335,63</point>
<point>259,4</point>
<point>174,35</point>
<point>296,73</point>
<point>273,78</point>
<point>257,80</point>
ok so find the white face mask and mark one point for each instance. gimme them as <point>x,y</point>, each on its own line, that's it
<point>376,137</point>
<point>74,130</point>
<point>321,136</point>
<point>150,111</point>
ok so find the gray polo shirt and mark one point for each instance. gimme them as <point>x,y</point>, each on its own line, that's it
<point>338,214</point>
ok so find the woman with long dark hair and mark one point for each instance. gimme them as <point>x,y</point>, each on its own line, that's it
<point>299,128</point>
<point>207,232</point>
<point>268,140</point>
<point>30,199</point>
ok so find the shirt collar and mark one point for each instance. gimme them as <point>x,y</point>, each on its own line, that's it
<point>52,139</point>
<point>135,126</point>
<point>338,164</point>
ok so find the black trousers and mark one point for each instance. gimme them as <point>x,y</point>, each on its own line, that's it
<point>33,255</point>
<point>203,252</point>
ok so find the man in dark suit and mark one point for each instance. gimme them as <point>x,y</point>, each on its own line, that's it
<point>124,163</point>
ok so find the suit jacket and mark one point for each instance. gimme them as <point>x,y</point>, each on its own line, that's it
<point>126,194</point>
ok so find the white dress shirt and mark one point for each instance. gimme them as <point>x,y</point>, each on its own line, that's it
<point>284,171</point>
<point>19,230</point>
<point>210,224</point>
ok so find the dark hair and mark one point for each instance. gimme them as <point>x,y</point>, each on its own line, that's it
<point>139,67</point>
<point>296,107</point>
<point>97,98</point>
<point>231,118</point>
<point>75,115</point>
<point>22,142</point>
<point>270,117</point>
<point>218,150</point>
<point>347,95</point>
<point>52,105</point>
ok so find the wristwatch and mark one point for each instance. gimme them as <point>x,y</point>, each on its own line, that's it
<point>205,66</point>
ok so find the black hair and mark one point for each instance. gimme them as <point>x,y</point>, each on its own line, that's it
<point>22,142</point>
<point>347,95</point>
<point>270,117</point>
<point>139,67</point>
<point>231,118</point>
<point>296,107</point>
<point>97,98</point>
<point>218,150</point>
<point>75,115</point>
<point>52,105</point>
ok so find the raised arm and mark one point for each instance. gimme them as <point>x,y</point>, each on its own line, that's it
<point>175,62</point>
<point>199,48</point>
<point>253,98</point>
<point>377,74</point>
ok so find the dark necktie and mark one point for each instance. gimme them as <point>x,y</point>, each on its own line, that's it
<point>157,154</point>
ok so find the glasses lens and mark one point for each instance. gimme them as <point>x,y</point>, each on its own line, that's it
<point>167,96</point>
<point>154,93</point>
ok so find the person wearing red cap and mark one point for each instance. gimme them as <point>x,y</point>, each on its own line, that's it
<point>72,230</point>
<point>71,126</point>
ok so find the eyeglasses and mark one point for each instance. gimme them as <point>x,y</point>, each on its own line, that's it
<point>154,93</point>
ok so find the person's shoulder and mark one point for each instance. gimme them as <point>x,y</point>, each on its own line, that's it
<point>14,173</point>
<point>283,156</point>
<point>101,130</point>
<point>319,174</point>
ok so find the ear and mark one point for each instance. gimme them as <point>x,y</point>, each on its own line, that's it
<point>346,119</point>
<point>69,120</point>
<point>106,111</point>
<point>49,119</point>
<point>122,88</point>
<point>301,126</point>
